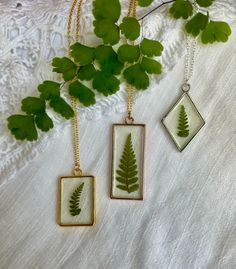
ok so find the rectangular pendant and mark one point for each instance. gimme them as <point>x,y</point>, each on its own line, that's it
<point>183,121</point>
<point>76,201</point>
<point>128,150</point>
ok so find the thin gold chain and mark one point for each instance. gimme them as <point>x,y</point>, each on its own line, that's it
<point>74,103</point>
<point>131,4</point>
<point>129,88</point>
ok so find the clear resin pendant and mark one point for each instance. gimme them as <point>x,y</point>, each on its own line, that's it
<point>183,121</point>
<point>128,149</point>
<point>76,201</point>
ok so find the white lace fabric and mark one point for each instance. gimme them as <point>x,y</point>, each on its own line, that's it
<point>33,32</point>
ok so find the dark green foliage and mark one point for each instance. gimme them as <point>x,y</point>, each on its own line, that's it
<point>102,65</point>
<point>104,9</point>
<point>86,72</point>
<point>108,31</point>
<point>181,9</point>
<point>216,31</point>
<point>213,31</point>
<point>43,122</point>
<point>127,174</point>
<point>49,89</point>
<point>22,127</point>
<point>151,66</point>
<point>74,202</point>
<point>128,53</point>
<point>183,126</point>
<point>108,61</point>
<point>151,48</point>
<point>105,83</point>
<point>136,76</point>
<point>99,66</point>
<point>83,93</point>
<point>106,14</point>
<point>130,27</point>
<point>64,66</point>
<point>82,54</point>
<point>144,3</point>
<point>33,105</point>
<point>104,53</point>
<point>197,24</point>
<point>62,107</point>
<point>205,3</point>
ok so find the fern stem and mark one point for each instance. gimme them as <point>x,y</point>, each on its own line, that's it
<point>154,9</point>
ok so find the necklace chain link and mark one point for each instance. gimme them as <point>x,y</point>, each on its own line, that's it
<point>74,103</point>
<point>189,63</point>
<point>130,90</point>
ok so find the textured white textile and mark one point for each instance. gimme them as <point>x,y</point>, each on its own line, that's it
<point>188,218</point>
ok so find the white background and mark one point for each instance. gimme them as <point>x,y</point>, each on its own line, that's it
<point>188,220</point>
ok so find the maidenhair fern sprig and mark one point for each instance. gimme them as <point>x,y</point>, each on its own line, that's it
<point>99,70</point>
<point>197,16</point>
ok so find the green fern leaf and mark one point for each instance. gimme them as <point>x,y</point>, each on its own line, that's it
<point>183,126</point>
<point>127,172</point>
<point>75,201</point>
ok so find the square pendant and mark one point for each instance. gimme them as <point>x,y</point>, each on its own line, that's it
<point>183,121</point>
<point>76,201</point>
<point>128,150</point>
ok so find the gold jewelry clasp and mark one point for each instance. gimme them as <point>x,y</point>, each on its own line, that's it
<point>78,171</point>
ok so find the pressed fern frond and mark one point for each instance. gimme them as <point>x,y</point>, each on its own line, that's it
<point>183,126</point>
<point>127,174</point>
<point>75,201</point>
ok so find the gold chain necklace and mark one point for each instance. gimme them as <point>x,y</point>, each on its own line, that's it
<point>74,103</point>
<point>129,88</point>
<point>76,192</point>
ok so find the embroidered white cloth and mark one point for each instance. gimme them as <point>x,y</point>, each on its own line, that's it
<point>187,220</point>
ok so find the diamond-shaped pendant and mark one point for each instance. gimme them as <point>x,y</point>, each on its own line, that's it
<point>183,121</point>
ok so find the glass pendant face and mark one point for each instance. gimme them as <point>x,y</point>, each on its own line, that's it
<point>76,201</point>
<point>128,150</point>
<point>183,121</point>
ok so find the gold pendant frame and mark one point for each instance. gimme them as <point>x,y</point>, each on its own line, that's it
<point>140,195</point>
<point>63,181</point>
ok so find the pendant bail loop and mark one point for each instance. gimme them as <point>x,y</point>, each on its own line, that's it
<point>77,171</point>
<point>129,119</point>
<point>186,87</point>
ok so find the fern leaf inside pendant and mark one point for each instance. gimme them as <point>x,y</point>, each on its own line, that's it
<point>77,201</point>
<point>128,154</point>
<point>127,174</point>
<point>183,126</point>
<point>183,121</point>
<point>75,209</point>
